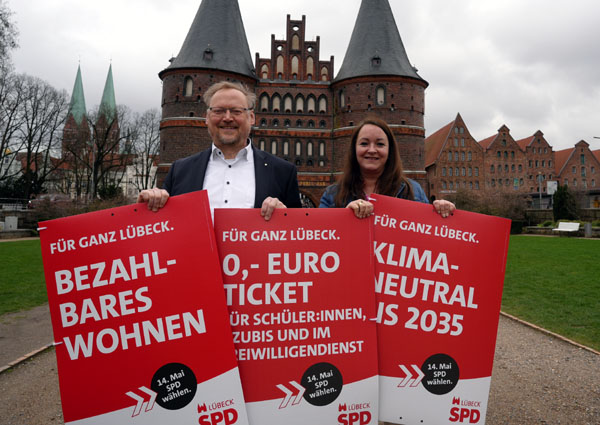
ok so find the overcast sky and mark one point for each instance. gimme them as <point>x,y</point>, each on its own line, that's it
<point>532,64</point>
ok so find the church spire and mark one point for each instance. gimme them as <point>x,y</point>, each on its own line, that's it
<point>108,104</point>
<point>216,40</point>
<point>77,105</point>
<point>375,46</point>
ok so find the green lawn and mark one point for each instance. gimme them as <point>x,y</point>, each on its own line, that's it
<point>22,283</point>
<point>553,282</point>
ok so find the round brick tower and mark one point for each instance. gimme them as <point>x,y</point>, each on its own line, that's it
<point>215,49</point>
<point>376,78</point>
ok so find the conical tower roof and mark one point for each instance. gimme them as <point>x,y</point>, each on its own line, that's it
<point>216,40</point>
<point>375,46</point>
<point>108,104</point>
<point>77,105</point>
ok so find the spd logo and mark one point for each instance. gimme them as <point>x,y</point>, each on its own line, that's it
<point>224,417</point>
<point>356,417</point>
<point>464,414</point>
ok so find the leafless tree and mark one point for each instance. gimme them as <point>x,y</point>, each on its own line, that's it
<point>10,121</point>
<point>32,113</point>
<point>145,141</point>
<point>110,150</point>
<point>8,32</point>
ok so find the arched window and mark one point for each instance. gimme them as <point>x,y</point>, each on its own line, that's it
<point>322,124</point>
<point>298,123</point>
<point>311,124</point>
<point>295,65</point>
<point>311,105</point>
<point>321,148</point>
<point>279,65</point>
<point>264,71</point>
<point>380,95</point>
<point>298,148</point>
<point>264,102</point>
<point>310,67</point>
<point>309,149</point>
<point>287,123</point>
<point>276,103</point>
<point>295,42</point>
<point>324,74</point>
<point>287,103</point>
<point>342,99</point>
<point>274,147</point>
<point>188,86</point>
<point>262,144</point>
<point>263,122</point>
<point>299,104</point>
<point>322,105</point>
<point>286,148</point>
<point>275,123</point>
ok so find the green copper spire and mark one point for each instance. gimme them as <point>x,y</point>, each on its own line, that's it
<point>108,104</point>
<point>77,106</point>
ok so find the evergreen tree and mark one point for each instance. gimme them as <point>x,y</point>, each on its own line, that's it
<point>564,204</point>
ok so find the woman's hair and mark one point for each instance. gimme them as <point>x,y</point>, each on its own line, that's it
<point>350,184</point>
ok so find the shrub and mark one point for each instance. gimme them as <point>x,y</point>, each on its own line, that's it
<point>501,203</point>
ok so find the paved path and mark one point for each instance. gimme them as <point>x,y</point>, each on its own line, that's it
<point>537,378</point>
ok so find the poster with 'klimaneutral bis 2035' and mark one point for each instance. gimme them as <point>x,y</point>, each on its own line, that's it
<point>139,317</point>
<point>302,309</point>
<point>439,288</point>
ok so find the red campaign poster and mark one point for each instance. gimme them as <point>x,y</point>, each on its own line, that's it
<point>439,288</point>
<point>302,310</point>
<point>139,317</point>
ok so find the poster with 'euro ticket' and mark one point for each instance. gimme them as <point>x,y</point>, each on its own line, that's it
<point>139,316</point>
<point>438,283</point>
<point>300,293</point>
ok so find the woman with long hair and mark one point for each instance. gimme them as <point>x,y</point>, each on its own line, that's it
<point>373,165</point>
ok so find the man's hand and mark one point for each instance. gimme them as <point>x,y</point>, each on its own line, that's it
<point>156,198</point>
<point>443,207</point>
<point>269,205</point>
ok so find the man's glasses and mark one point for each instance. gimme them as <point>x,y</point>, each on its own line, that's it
<point>234,112</point>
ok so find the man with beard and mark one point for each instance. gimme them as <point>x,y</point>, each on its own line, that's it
<point>233,171</point>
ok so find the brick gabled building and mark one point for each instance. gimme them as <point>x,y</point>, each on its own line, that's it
<point>453,160</point>
<point>540,161</point>
<point>578,167</point>
<point>303,114</point>
<point>504,162</point>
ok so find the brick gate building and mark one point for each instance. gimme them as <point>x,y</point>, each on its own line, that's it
<point>304,113</point>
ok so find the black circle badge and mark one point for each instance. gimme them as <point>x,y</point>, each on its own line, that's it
<point>441,374</point>
<point>175,385</point>
<point>323,383</point>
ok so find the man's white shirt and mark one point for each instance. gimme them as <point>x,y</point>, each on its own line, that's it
<point>230,182</point>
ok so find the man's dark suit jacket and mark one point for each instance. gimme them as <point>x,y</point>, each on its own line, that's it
<point>273,177</point>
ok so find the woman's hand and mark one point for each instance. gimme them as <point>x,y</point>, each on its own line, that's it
<point>361,208</point>
<point>443,207</point>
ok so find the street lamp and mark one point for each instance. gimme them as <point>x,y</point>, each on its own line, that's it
<point>540,186</point>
